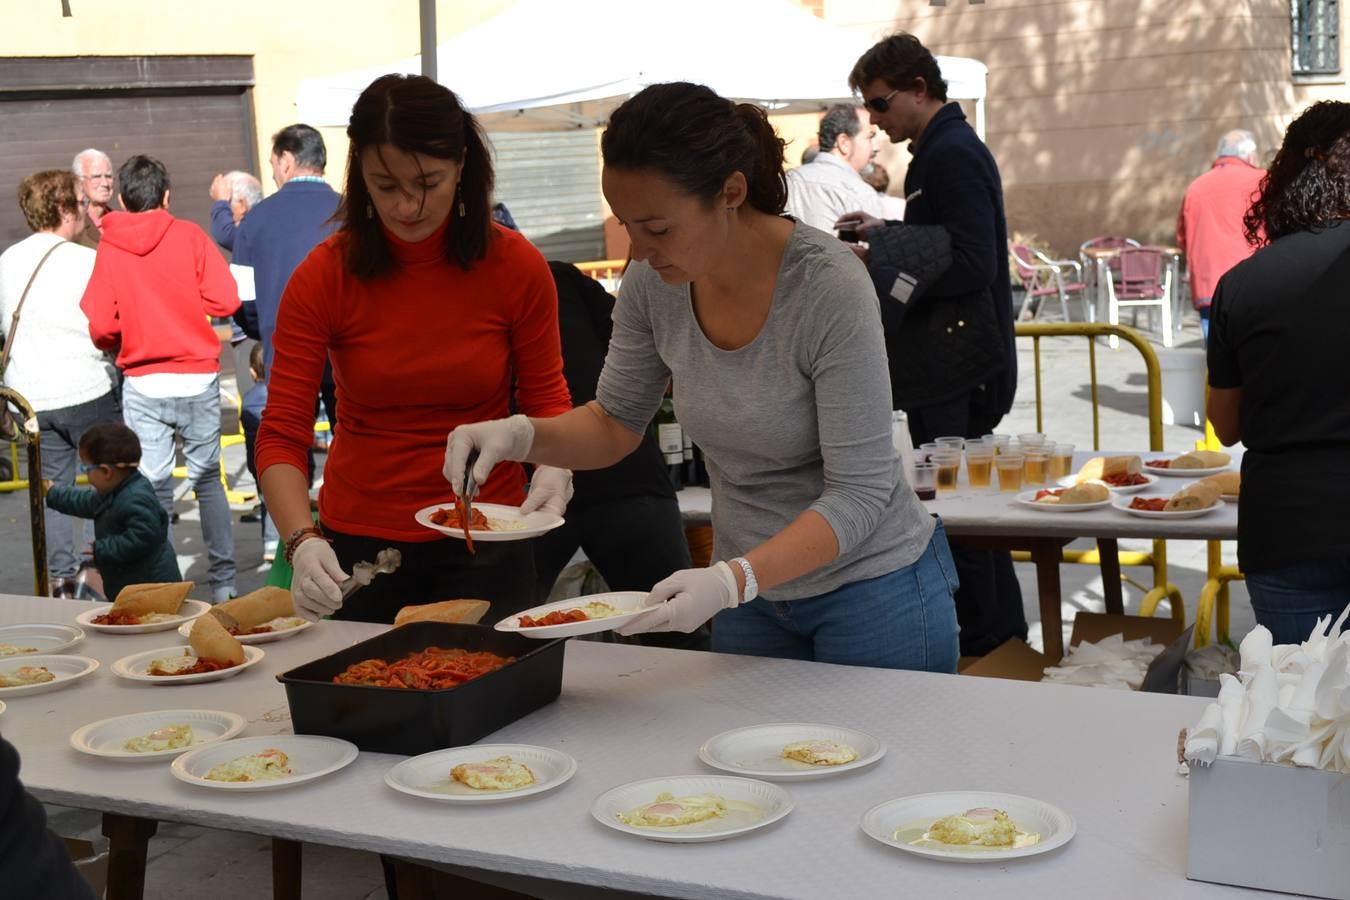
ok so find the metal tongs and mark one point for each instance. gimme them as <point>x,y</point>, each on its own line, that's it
<point>465,499</point>
<point>386,561</point>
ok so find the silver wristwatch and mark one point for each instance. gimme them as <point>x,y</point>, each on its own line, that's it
<point>751,584</point>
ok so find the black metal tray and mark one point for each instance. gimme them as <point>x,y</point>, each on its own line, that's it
<point>397,720</point>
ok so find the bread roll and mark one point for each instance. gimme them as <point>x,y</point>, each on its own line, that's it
<point>1200,495</point>
<point>1201,459</point>
<point>1101,466</point>
<point>464,612</point>
<point>144,599</point>
<point>1091,492</point>
<point>210,640</point>
<point>262,605</point>
<point>1229,483</point>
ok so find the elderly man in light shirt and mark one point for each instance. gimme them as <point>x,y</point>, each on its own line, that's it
<point>93,173</point>
<point>829,186</point>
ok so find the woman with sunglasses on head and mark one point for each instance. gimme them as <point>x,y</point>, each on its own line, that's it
<point>771,333</point>
<point>1278,379</point>
<point>433,316</point>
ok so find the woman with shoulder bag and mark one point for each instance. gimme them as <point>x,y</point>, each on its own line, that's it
<point>48,356</point>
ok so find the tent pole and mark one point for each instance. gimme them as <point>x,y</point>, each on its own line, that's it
<point>427,22</point>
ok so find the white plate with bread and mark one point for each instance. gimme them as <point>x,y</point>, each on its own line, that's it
<point>1078,498</point>
<point>1120,474</point>
<point>1196,464</point>
<point>270,608</point>
<point>147,607</point>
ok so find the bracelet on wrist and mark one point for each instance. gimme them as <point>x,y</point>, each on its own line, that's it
<point>298,537</point>
<point>751,583</point>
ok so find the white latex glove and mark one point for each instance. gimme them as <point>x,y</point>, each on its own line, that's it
<point>497,440</point>
<point>858,221</point>
<point>687,599</point>
<point>314,584</point>
<point>550,490</point>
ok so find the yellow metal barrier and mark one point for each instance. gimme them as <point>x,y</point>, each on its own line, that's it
<point>28,431</point>
<point>609,271</point>
<point>1090,331</point>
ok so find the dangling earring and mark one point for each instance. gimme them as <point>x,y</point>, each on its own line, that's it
<point>370,211</point>
<point>461,209</point>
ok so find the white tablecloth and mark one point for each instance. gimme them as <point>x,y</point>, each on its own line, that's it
<point>991,512</point>
<point>627,713</point>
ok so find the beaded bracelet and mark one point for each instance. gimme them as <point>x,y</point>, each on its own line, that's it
<point>298,537</point>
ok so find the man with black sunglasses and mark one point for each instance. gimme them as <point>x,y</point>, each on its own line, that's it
<point>946,296</point>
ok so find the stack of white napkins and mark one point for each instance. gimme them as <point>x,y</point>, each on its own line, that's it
<point>1112,662</point>
<point>1290,703</point>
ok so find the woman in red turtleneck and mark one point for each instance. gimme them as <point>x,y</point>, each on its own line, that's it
<point>432,315</point>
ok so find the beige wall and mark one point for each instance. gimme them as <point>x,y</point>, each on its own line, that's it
<point>1100,112</point>
<point>288,42</point>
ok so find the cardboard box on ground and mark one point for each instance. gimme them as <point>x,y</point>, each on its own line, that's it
<point>1016,660</point>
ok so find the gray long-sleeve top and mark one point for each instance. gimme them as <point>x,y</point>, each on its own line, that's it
<point>799,418</point>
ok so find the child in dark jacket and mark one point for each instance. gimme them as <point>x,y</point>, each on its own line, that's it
<point>131,529</point>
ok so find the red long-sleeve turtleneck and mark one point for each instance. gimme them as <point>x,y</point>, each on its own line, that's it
<point>415,353</point>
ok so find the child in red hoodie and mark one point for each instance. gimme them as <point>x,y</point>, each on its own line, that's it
<point>156,282</point>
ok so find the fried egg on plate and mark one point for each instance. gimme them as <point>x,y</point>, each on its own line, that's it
<point>170,737</point>
<point>500,774</point>
<point>667,811</point>
<point>26,675</point>
<point>266,765</point>
<point>820,753</point>
<point>984,826</point>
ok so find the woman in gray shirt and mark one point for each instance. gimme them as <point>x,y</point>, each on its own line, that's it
<point>771,333</point>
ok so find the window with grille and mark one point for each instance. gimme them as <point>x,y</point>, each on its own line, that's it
<point>1316,36</point>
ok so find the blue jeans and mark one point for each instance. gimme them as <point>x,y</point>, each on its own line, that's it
<point>197,419</point>
<point>1204,323</point>
<point>60,431</point>
<point>1291,599</point>
<point>902,620</point>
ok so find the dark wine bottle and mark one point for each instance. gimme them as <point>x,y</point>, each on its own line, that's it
<point>670,439</point>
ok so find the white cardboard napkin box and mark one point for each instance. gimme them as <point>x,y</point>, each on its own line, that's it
<point>1270,826</point>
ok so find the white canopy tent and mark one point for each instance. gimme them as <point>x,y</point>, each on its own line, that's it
<point>547,65</point>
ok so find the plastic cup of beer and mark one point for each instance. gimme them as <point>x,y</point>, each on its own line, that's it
<point>925,480</point>
<point>1000,442</point>
<point>1036,465</point>
<point>1061,461</point>
<point>952,442</point>
<point>1009,468</point>
<point>1031,439</point>
<point>948,466</point>
<point>979,464</point>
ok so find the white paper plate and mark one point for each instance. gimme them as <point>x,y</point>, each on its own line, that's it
<point>1184,473</point>
<point>1055,826</point>
<point>1123,503</point>
<point>133,667</point>
<point>629,600</point>
<point>1070,481</point>
<point>428,775</point>
<point>105,737</point>
<point>190,610</point>
<point>67,669</point>
<point>311,756</point>
<point>45,639</point>
<point>1028,499</point>
<point>757,750</point>
<point>266,637</point>
<point>536,523</point>
<point>753,805</point>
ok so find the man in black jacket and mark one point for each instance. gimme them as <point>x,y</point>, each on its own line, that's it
<point>949,325</point>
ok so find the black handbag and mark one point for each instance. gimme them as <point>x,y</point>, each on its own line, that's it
<point>904,262</point>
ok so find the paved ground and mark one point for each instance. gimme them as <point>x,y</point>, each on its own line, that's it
<point>224,865</point>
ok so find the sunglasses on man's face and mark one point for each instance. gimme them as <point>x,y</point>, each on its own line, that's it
<point>880,104</point>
